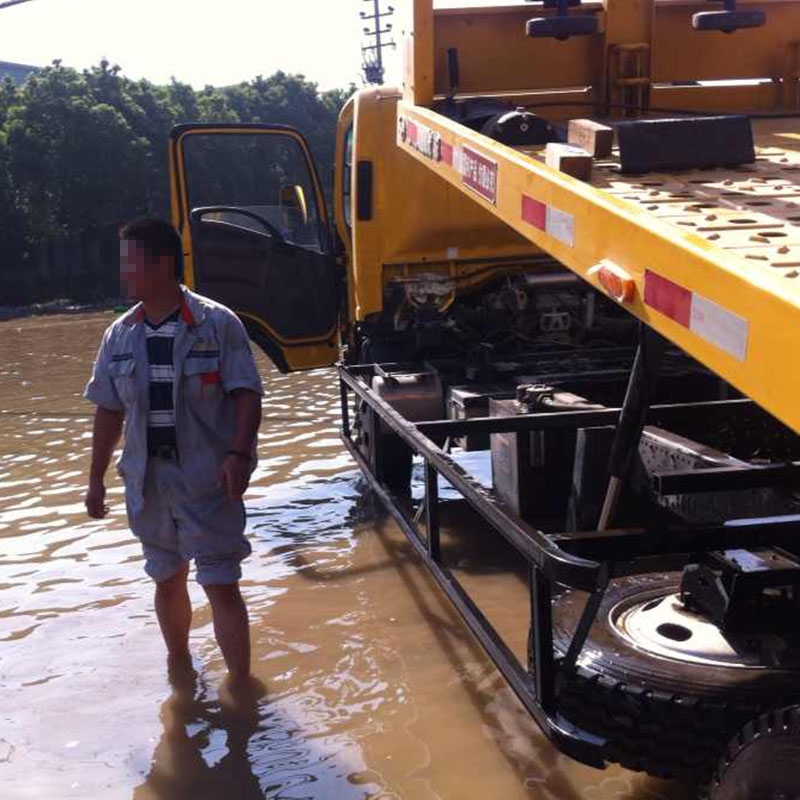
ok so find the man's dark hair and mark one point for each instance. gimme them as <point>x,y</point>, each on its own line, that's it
<point>158,237</point>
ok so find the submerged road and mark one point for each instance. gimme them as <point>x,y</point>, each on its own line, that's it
<point>374,688</point>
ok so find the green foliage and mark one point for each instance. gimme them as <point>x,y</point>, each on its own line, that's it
<point>83,151</point>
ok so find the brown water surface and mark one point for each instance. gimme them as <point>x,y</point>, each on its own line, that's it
<point>373,686</point>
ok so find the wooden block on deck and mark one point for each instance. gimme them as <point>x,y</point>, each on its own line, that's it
<point>593,137</point>
<point>567,158</point>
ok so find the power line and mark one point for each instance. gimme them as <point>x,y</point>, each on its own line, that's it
<point>372,53</point>
<point>9,3</point>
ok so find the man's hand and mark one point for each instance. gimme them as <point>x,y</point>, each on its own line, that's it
<point>96,506</point>
<point>235,475</point>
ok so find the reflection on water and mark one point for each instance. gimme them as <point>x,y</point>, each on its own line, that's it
<point>372,686</point>
<point>203,748</point>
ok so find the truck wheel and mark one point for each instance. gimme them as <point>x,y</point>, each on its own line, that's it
<point>762,762</point>
<point>663,685</point>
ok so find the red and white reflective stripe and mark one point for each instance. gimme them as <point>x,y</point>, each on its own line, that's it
<point>709,320</point>
<point>447,153</point>
<point>549,219</point>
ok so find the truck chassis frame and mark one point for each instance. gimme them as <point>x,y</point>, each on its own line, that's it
<point>583,561</point>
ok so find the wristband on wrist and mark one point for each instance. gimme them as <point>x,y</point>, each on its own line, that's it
<point>240,453</point>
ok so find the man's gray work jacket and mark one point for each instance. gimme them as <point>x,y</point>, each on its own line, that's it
<point>211,356</point>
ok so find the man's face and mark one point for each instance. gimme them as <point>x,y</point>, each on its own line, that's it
<point>143,274</point>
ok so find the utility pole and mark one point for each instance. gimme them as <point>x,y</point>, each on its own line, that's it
<point>372,52</point>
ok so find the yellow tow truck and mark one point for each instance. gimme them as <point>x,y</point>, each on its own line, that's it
<point>569,243</point>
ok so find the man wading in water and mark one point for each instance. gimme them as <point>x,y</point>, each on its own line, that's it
<point>178,371</point>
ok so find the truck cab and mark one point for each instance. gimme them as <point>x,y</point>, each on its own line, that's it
<point>400,244</point>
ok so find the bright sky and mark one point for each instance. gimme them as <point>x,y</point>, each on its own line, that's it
<point>201,42</point>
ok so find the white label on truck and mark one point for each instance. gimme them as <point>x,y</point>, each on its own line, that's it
<point>560,225</point>
<point>721,327</point>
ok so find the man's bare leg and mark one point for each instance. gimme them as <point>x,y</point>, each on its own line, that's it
<point>174,612</point>
<point>231,627</point>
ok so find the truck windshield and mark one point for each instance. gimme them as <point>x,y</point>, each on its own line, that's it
<point>266,174</point>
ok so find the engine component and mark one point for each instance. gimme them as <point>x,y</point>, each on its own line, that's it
<point>555,321</point>
<point>541,397</point>
<point>466,402</point>
<point>416,395</point>
<point>531,473</point>
<point>427,289</point>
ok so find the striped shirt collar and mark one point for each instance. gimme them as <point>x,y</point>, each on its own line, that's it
<point>191,311</point>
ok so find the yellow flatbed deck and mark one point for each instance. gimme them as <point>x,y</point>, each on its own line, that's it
<point>752,212</point>
<point>714,254</point>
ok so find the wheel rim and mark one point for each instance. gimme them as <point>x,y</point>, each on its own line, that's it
<point>659,624</point>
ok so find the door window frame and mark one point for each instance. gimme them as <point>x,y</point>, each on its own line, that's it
<point>179,135</point>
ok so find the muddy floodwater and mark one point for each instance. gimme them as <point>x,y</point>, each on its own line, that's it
<point>374,688</point>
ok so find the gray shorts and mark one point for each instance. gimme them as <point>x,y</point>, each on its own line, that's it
<point>179,523</point>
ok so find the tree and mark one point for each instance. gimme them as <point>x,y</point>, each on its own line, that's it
<point>83,151</point>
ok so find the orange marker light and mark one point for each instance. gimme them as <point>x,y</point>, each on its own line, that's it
<point>615,280</point>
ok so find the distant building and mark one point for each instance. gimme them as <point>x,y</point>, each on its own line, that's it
<point>17,72</point>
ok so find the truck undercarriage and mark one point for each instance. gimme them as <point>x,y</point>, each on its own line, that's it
<point>663,599</point>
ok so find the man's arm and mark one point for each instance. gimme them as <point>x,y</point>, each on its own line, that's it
<point>106,434</point>
<point>241,380</point>
<point>236,467</point>
<point>248,419</point>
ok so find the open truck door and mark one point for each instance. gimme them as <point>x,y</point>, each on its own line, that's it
<point>247,202</point>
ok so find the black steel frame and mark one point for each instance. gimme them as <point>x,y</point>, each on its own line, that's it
<point>585,561</point>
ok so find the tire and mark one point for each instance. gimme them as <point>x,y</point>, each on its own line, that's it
<point>669,718</point>
<point>762,762</point>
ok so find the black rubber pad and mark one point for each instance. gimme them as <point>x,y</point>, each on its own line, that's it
<point>687,143</point>
<point>562,27</point>
<point>728,21</point>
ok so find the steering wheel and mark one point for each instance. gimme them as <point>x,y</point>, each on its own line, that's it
<point>198,213</point>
